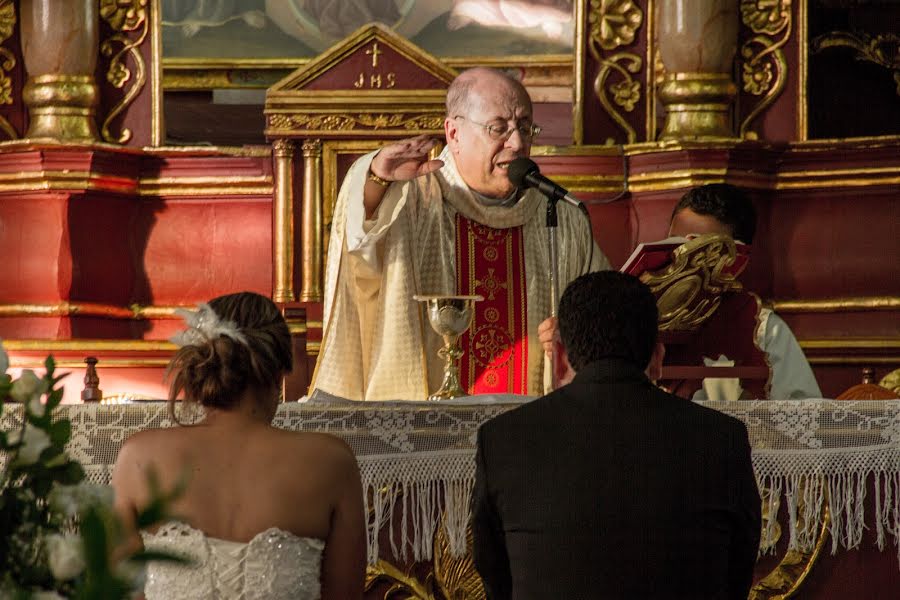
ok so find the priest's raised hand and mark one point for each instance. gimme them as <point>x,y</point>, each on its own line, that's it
<point>401,161</point>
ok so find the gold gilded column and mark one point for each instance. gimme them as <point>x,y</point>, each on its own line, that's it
<point>283,220</point>
<point>311,287</point>
<point>59,47</point>
<point>697,40</point>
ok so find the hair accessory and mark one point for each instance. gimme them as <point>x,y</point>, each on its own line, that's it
<point>204,325</point>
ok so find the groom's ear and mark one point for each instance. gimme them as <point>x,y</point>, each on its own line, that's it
<point>654,368</point>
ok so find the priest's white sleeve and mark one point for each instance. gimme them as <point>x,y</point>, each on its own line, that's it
<point>792,377</point>
<point>363,235</point>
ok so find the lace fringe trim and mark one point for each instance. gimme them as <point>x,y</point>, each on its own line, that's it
<point>411,501</point>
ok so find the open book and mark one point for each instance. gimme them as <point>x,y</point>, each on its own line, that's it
<point>651,256</point>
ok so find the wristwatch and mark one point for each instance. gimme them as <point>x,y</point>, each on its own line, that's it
<point>379,180</point>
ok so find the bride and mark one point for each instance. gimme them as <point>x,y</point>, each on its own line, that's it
<point>266,513</point>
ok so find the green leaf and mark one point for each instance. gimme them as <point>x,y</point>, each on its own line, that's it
<point>151,514</point>
<point>71,474</point>
<point>50,456</point>
<point>60,432</point>
<point>93,532</point>
<point>50,365</point>
<point>53,399</point>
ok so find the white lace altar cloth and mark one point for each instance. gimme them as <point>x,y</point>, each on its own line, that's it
<point>811,454</point>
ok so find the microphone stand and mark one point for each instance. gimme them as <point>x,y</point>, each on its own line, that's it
<point>552,222</point>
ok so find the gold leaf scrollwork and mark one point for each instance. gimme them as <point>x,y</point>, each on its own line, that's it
<point>7,62</point>
<point>791,571</point>
<point>123,16</point>
<point>456,577</point>
<point>346,122</point>
<point>882,50</point>
<point>764,67</point>
<point>614,23</point>
<point>689,289</point>
<point>401,582</point>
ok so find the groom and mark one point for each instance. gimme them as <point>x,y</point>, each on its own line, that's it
<point>610,487</point>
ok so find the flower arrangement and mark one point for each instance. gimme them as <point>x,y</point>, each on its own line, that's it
<point>57,531</point>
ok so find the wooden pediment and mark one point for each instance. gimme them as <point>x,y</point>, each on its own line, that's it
<point>372,84</point>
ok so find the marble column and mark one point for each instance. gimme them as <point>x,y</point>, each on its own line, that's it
<point>59,46</point>
<point>697,40</point>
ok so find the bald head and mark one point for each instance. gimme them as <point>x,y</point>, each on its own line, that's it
<point>489,124</point>
<point>469,87</point>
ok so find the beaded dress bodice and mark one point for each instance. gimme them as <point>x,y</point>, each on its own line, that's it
<point>275,564</point>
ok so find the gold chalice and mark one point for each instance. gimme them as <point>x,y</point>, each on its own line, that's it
<point>449,316</point>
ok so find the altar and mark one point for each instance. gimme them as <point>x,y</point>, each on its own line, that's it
<point>828,471</point>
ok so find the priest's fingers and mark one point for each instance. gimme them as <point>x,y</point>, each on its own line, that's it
<point>431,165</point>
<point>411,147</point>
<point>548,333</point>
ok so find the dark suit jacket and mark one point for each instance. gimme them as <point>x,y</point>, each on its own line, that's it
<point>611,488</point>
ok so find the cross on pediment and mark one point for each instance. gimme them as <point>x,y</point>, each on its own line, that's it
<point>374,52</point>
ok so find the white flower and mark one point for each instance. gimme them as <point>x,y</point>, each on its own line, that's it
<point>65,555</point>
<point>29,388</point>
<point>4,359</point>
<point>72,500</point>
<point>34,442</point>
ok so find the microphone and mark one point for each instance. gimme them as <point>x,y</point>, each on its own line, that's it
<point>524,173</point>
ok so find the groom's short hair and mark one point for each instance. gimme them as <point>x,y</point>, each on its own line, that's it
<point>608,314</point>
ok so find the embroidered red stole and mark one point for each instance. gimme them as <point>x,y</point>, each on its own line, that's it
<point>491,263</point>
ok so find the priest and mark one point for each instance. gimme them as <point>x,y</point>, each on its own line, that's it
<point>406,225</point>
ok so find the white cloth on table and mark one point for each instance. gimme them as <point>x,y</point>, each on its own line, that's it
<point>274,565</point>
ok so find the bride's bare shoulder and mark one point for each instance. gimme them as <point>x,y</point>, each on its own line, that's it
<point>321,446</point>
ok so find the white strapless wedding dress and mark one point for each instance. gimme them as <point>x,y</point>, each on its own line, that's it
<point>274,565</point>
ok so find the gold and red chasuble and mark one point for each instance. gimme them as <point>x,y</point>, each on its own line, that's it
<point>491,263</point>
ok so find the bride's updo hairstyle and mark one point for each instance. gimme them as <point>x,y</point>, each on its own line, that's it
<point>234,343</point>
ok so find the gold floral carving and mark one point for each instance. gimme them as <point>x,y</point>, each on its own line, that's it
<point>882,50</point>
<point>348,122</point>
<point>764,66</point>
<point>614,23</point>
<point>123,16</point>
<point>688,291</point>
<point>891,381</point>
<point>7,62</point>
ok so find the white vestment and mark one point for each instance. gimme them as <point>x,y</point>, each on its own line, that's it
<point>376,341</point>
<point>791,376</point>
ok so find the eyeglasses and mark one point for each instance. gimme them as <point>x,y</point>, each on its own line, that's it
<point>498,131</point>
